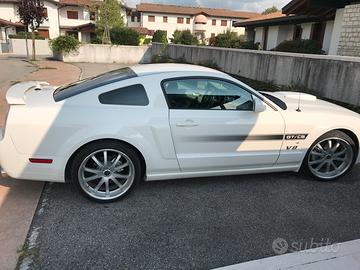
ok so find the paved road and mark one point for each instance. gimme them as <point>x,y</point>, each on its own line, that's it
<point>12,70</point>
<point>194,224</point>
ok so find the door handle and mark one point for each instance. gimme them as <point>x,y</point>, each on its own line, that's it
<point>187,123</point>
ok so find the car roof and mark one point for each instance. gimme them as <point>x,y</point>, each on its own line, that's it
<point>149,69</point>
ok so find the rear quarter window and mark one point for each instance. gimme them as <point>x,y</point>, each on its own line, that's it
<point>134,95</point>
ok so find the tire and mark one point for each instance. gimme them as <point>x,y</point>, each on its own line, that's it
<point>105,171</point>
<point>330,157</point>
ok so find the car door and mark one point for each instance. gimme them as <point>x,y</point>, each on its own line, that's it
<point>214,125</point>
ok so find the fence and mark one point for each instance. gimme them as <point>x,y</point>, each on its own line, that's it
<point>334,77</point>
<point>96,53</point>
<point>18,47</point>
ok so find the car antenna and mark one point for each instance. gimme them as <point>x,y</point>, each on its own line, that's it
<point>299,103</point>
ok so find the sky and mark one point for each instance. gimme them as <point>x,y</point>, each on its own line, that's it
<point>244,5</point>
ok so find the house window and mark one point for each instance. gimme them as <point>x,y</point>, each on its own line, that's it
<point>92,16</point>
<point>298,32</point>
<point>318,32</point>
<point>187,20</point>
<point>165,19</point>
<point>133,18</point>
<point>223,22</point>
<point>72,15</point>
<point>213,22</point>
<point>45,12</point>
<point>151,18</point>
<point>180,20</point>
<point>138,18</point>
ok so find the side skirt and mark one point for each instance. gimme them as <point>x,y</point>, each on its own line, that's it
<point>179,175</point>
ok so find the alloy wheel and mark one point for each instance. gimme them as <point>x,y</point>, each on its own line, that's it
<point>330,158</point>
<point>106,174</point>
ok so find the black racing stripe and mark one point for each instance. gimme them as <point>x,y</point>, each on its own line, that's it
<point>235,138</point>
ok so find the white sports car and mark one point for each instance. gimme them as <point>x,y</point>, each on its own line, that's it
<point>167,121</point>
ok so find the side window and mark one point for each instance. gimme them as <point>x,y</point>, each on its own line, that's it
<point>131,95</point>
<point>207,94</point>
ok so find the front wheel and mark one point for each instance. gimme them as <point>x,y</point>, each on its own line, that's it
<point>105,171</point>
<point>330,157</point>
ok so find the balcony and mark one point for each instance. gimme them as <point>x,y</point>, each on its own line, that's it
<point>199,27</point>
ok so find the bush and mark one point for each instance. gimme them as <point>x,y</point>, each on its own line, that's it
<point>184,37</point>
<point>160,37</point>
<point>228,40</point>
<point>64,44</point>
<point>249,45</point>
<point>96,40</point>
<point>147,41</point>
<point>300,46</point>
<point>21,35</point>
<point>124,36</point>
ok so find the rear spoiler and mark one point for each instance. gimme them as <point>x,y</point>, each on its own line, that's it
<point>17,93</point>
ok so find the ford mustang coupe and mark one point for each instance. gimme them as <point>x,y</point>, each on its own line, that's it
<point>167,121</point>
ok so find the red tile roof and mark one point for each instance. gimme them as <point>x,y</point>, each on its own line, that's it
<point>9,23</point>
<point>261,19</point>
<point>215,12</point>
<point>76,2</point>
<point>143,31</point>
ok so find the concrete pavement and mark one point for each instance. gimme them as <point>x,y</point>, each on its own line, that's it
<point>339,256</point>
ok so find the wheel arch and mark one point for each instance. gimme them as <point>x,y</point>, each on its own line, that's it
<point>69,162</point>
<point>353,136</point>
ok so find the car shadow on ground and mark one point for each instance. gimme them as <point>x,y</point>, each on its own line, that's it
<point>193,224</point>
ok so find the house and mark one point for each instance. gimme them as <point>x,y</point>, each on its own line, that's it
<point>64,17</point>
<point>203,22</point>
<point>334,24</point>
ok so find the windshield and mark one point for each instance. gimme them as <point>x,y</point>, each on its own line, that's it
<point>82,86</point>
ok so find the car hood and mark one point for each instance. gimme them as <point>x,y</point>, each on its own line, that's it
<point>311,104</point>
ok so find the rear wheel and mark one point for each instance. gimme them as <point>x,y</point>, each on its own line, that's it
<point>106,171</point>
<point>330,157</point>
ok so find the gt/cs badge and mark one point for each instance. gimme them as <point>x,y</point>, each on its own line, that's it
<point>295,137</point>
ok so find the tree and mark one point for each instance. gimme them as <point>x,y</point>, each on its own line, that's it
<point>31,13</point>
<point>124,36</point>
<point>184,37</point>
<point>160,37</point>
<point>228,40</point>
<point>108,16</point>
<point>269,10</point>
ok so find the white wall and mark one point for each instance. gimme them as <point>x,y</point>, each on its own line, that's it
<point>286,32</point>
<point>4,32</point>
<point>335,37</point>
<point>84,16</point>
<point>53,19</point>
<point>327,36</point>
<point>8,11</point>
<point>272,37</point>
<point>18,46</point>
<point>96,53</point>
<point>306,33</point>
<point>259,35</point>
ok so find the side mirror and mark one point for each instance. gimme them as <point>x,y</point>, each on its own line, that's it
<point>259,105</point>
